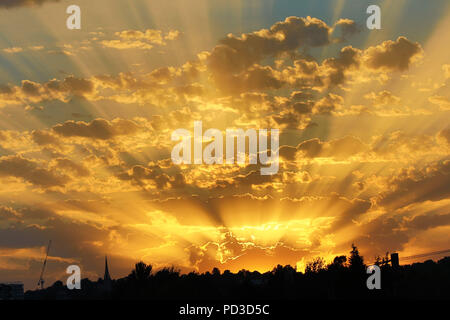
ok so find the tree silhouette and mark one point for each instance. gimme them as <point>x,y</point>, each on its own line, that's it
<point>141,272</point>
<point>338,263</point>
<point>356,262</point>
<point>382,262</point>
<point>216,272</point>
<point>315,266</point>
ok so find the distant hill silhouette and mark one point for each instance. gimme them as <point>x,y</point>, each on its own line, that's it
<point>344,278</point>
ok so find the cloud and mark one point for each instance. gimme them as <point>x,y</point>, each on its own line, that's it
<point>255,77</point>
<point>445,134</point>
<point>78,170</point>
<point>96,129</point>
<point>398,144</point>
<point>9,214</point>
<point>30,92</point>
<point>238,72</point>
<point>13,50</point>
<point>311,148</point>
<point>441,101</point>
<point>235,54</point>
<point>388,147</point>
<point>43,138</point>
<point>22,3</point>
<point>19,49</point>
<point>328,104</point>
<point>345,28</point>
<point>288,152</point>
<point>446,69</point>
<point>71,84</point>
<point>336,68</point>
<point>338,148</point>
<point>423,222</point>
<point>395,55</point>
<point>119,44</point>
<point>150,35</point>
<point>350,211</point>
<point>394,230</point>
<point>417,185</point>
<point>381,98</point>
<point>17,166</point>
<point>136,39</point>
<point>153,177</point>
<point>231,253</point>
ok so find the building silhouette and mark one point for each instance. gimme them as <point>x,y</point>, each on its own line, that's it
<point>395,261</point>
<point>11,291</point>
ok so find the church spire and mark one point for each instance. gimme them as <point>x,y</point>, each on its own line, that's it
<point>106,277</point>
<point>107,282</point>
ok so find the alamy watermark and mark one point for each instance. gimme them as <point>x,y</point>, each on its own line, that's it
<point>74,280</point>
<point>374,20</point>
<point>73,22</point>
<point>374,280</point>
<point>213,152</point>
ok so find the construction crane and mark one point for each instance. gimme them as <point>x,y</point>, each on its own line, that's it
<point>41,278</point>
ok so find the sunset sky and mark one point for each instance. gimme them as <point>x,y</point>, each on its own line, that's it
<point>86,118</point>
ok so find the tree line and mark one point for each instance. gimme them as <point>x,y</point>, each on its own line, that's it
<point>343,278</point>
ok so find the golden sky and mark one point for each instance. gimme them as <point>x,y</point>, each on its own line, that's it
<point>86,118</point>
